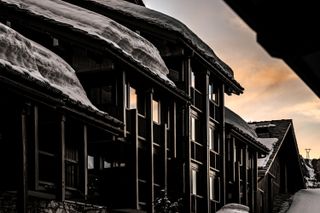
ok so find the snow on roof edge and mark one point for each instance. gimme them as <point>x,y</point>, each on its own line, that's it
<point>128,43</point>
<point>167,22</point>
<point>36,63</point>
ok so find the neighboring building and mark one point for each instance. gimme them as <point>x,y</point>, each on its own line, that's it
<point>242,153</point>
<point>280,173</point>
<point>140,111</point>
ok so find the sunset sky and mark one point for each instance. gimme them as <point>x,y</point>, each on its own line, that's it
<point>272,89</point>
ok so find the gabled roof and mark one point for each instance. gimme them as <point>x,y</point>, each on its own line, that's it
<point>129,45</point>
<point>23,59</point>
<point>242,127</point>
<point>272,134</point>
<point>143,16</point>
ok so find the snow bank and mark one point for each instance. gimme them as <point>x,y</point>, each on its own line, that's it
<point>269,143</point>
<point>168,23</point>
<point>234,208</point>
<point>29,58</point>
<point>306,201</point>
<point>311,181</point>
<point>116,36</point>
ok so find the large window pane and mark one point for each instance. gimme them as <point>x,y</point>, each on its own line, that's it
<point>132,99</point>
<point>156,111</point>
<point>194,182</point>
<point>193,129</point>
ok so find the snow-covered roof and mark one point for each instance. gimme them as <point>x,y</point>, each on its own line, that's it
<point>271,134</point>
<point>235,120</point>
<point>32,61</point>
<point>115,36</point>
<point>269,143</point>
<point>241,126</point>
<point>163,21</point>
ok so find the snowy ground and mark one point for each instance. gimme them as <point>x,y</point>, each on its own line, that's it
<point>306,201</point>
<point>234,208</point>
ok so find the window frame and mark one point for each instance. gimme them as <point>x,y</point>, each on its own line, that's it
<point>213,93</point>
<point>157,119</point>
<point>194,179</point>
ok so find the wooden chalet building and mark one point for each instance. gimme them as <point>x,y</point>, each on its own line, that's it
<point>280,174</point>
<point>151,114</point>
<point>199,149</point>
<point>242,153</point>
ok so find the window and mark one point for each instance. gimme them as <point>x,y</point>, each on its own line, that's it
<point>193,128</point>
<point>132,98</point>
<point>101,96</point>
<point>193,80</point>
<point>211,187</point>
<point>210,138</point>
<point>90,162</point>
<point>156,111</point>
<point>48,139</point>
<point>239,155</point>
<point>214,139</point>
<point>214,190</point>
<point>194,181</point>
<point>213,93</point>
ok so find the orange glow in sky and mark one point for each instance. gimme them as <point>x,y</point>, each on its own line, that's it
<point>272,89</point>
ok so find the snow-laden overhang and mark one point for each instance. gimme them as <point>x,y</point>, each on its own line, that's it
<point>122,40</point>
<point>31,61</point>
<point>243,128</point>
<point>143,16</point>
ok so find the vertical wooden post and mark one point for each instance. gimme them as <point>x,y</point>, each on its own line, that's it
<point>23,185</point>
<point>150,157</point>
<point>36,147</point>
<point>238,184</point>
<point>122,100</point>
<point>245,179</point>
<point>223,147</point>
<point>165,156</point>
<point>255,207</point>
<point>187,168</point>
<point>205,126</point>
<point>186,69</point>
<point>135,157</point>
<point>173,127</point>
<point>85,161</point>
<point>61,161</point>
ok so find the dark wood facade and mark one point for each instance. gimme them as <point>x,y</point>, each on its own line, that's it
<point>172,138</point>
<point>44,141</point>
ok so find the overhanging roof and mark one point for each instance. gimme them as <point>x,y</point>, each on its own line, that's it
<point>287,30</point>
<point>143,18</point>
